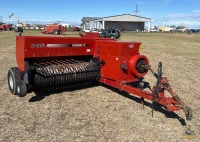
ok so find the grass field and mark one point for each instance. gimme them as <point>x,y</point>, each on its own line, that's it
<point>99,113</point>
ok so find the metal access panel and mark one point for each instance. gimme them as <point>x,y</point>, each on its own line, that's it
<point>37,47</point>
<point>116,55</point>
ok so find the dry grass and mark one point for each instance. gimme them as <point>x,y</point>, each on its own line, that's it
<point>99,113</point>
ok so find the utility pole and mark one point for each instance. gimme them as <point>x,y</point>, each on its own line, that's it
<point>136,9</point>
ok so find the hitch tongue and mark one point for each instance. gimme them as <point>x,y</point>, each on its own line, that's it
<point>187,110</point>
<point>165,84</point>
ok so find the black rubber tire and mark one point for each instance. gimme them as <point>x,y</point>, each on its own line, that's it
<point>29,85</point>
<point>56,32</point>
<point>112,37</point>
<point>21,88</point>
<point>13,79</point>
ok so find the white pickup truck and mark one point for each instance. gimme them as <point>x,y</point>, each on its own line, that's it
<point>167,29</point>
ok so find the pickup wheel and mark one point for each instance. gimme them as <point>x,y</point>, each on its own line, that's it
<point>56,32</point>
<point>13,79</point>
<point>112,37</point>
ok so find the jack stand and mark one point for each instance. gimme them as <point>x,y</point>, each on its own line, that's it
<point>142,102</point>
<point>189,134</point>
<point>188,131</point>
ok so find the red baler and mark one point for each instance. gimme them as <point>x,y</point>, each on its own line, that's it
<point>55,29</point>
<point>54,63</point>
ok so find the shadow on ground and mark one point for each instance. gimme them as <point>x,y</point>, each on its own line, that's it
<point>40,95</point>
<point>156,106</point>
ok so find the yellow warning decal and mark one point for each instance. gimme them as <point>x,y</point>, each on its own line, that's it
<point>140,48</point>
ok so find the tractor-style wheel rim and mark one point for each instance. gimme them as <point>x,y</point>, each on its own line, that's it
<point>11,82</point>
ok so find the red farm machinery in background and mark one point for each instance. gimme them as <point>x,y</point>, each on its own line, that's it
<point>54,63</point>
<point>55,29</point>
<point>76,28</point>
<point>1,26</point>
<point>6,27</point>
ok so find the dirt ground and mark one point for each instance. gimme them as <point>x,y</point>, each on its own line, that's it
<point>100,113</point>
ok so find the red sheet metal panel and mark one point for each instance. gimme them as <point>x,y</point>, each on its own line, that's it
<point>28,47</point>
<point>115,54</point>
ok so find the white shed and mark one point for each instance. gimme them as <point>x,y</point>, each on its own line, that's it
<point>124,21</point>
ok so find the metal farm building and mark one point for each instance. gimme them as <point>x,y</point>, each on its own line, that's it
<point>125,21</point>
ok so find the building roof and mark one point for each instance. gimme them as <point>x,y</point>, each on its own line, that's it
<point>124,17</point>
<point>85,19</point>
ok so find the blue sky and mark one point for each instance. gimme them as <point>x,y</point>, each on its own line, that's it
<point>162,12</point>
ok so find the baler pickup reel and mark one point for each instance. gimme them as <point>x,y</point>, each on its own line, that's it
<point>158,90</point>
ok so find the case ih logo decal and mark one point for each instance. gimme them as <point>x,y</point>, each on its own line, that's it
<point>41,45</point>
<point>67,45</point>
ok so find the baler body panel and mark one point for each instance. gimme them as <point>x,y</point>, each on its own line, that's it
<point>115,54</point>
<point>28,47</point>
<point>51,46</point>
<point>20,52</point>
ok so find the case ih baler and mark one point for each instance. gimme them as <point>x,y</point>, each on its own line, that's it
<point>54,63</point>
<point>55,29</point>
